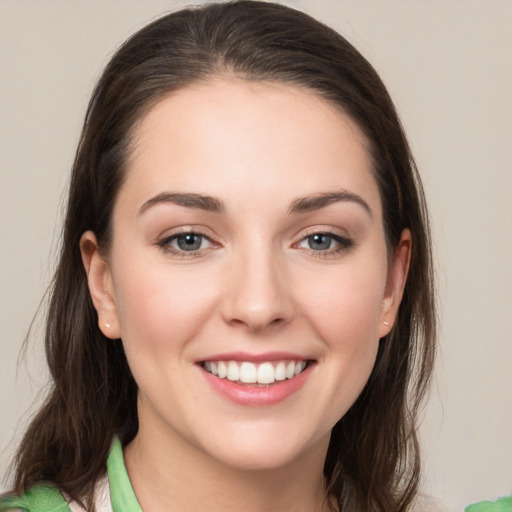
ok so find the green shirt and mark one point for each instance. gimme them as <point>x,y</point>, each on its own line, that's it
<point>502,505</point>
<point>47,498</point>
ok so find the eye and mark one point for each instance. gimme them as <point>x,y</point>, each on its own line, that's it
<point>318,242</point>
<point>325,242</point>
<point>182,243</point>
<point>189,241</point>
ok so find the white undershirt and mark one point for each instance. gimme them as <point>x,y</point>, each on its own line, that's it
<point>101,498</point>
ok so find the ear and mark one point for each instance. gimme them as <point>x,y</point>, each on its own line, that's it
<point>395,284</point>
<point>99,279</point>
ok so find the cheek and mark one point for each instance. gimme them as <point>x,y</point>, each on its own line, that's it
<point>346,318</point>
<point>346,304</point>
<point>344,309</point>
<point>159,307</point>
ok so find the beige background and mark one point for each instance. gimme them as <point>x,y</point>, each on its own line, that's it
<point>448,65</point>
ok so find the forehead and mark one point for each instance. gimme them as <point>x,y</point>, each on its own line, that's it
<point>258,137</point>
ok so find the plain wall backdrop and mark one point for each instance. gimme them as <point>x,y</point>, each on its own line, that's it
<point>448,67</point>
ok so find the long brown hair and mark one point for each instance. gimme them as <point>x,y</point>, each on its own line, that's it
<point>373,459</point>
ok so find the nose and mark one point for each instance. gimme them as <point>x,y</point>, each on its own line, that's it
<point>258,292</point>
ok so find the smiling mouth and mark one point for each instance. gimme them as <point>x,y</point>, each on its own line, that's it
<point>248,373</point>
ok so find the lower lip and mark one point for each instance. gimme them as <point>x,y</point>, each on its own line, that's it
<point>254,396</point>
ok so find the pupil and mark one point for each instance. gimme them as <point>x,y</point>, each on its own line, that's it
<point>319,242</point>
<point>189,242</point>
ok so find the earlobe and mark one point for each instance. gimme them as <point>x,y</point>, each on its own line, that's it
<point>99,280</point>
<point>395,285</point>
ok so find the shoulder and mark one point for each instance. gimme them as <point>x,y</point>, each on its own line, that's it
<point>47,498</point>
<point>502,505</point>
<point>39,498</point>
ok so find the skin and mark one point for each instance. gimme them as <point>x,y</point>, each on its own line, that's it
<point>258,283</point>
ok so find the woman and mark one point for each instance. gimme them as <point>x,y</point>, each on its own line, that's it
<point>243,312</point>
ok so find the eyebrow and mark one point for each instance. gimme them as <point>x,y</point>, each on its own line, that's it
<point>298,205</point>
<point>321,200</point>
<point>189,200</point>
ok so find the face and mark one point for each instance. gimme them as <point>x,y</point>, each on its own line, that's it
<point>248,275</point>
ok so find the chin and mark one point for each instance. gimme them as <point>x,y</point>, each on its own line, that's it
<point>260,450</point>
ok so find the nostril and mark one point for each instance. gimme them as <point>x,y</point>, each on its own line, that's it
<point>257,324</point>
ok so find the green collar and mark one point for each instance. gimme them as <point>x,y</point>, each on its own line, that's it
<point>122,496</point>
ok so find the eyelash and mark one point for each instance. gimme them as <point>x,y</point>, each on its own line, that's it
<point>343,244</point>
<point>165,244</point>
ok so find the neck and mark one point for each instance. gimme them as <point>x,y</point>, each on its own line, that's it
<point>170,475</point>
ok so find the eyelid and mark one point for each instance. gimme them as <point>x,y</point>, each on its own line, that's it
<point>186,229</point>
<point>340,236</point>
<point>335,232</point>
<point>164,241</point>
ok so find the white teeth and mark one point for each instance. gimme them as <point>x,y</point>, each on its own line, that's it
<point>299,367</point>
<point>233,371</point>
<point>290,370</point>
<point>251,373</point>
<point>248,373</point>
<point>222,369</point>
<point>280,371</point>
<point>266,373</point>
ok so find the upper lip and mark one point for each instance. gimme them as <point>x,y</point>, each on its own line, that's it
<point>256,358</point>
